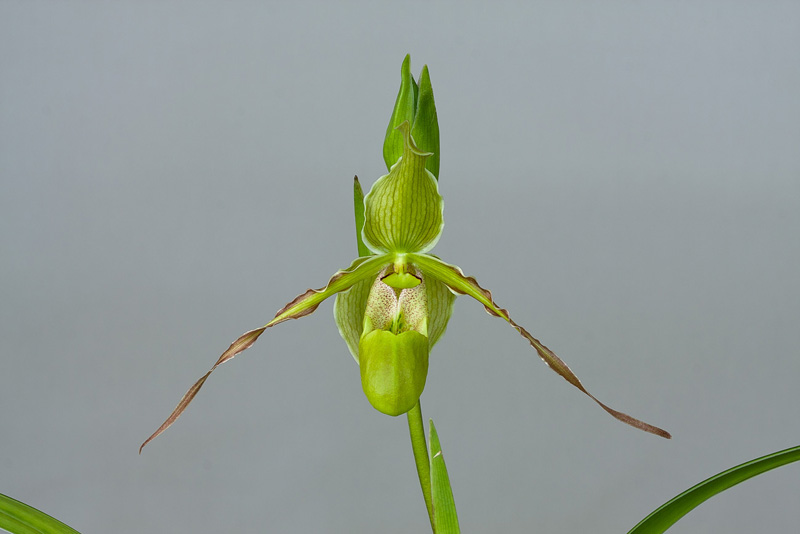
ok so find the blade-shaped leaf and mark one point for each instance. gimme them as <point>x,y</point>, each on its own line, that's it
<point>419,444</point>
<point>455,279</point>
<point>19,518</point>
<point>444,507</point>
<point>670,512</point>
<point>305,304</point>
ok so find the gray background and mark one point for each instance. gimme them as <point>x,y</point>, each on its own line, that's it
<point>624,176</point>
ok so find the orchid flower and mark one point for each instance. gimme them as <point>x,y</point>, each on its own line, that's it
<point>394,301</point>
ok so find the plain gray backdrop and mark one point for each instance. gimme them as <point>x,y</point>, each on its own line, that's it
<point>624,176</point>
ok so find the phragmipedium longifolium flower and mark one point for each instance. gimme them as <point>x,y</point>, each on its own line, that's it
<point>394,301</point>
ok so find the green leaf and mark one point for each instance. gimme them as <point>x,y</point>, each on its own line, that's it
<point>19,518</point>
<point>425,128</point>
<point>404,110</point>
<point>404,210</point>
<point>669,513</point>
<point>455,279</point>
<point>444,507</point>
<point>305,304</point>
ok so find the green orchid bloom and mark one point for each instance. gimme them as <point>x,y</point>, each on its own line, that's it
<point>394,301</point>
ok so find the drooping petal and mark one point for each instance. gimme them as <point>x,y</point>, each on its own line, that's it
<point>455,279</point>
<point>404,208</point>
<point>244,342</point>
<point>305,304</point>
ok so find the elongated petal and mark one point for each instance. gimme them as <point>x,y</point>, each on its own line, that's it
<point>455,279</point>
<point>305,304</point>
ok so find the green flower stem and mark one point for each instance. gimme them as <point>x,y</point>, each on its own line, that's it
<point>418,442</point>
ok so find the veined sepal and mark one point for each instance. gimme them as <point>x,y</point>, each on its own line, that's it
<point>404,210</point>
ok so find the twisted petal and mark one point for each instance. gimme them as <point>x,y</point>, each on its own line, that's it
<point>455,279</point>
<point>361,269</point>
